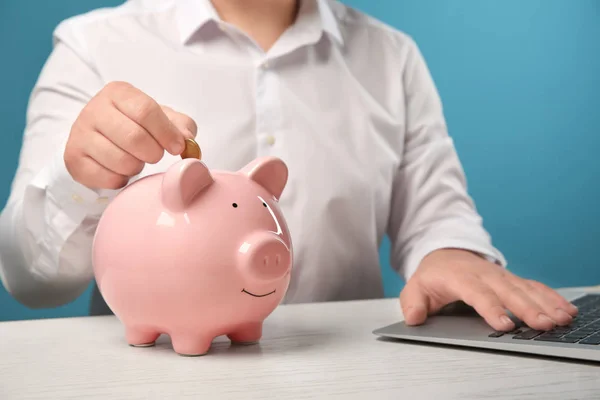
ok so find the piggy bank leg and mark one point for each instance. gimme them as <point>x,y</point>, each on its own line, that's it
<point>246,334</point>
<point>191,345</point>
<point>139,337</point>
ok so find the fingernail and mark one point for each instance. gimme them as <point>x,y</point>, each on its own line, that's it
<point>573,309</point>
<point>415,308</point>
<point>189,134</point>
<point>506,321</point>
<point>545,319</point>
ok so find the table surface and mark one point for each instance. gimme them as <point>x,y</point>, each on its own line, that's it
<point>322,350</point>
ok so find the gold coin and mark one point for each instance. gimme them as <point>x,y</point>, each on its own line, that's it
<point>192,150</point>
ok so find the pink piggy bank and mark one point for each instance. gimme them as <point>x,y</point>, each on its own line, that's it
<point>195,254</point>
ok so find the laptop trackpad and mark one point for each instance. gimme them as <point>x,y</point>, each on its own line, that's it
<point>455,320</point>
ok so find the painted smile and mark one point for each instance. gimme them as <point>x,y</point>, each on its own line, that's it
<point>257,295</point>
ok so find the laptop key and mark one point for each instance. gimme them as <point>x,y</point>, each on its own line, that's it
<point>576,336</point>
<point>556,339</point>
<point>595,339</point>
<point>579,324</point>
<point>586,329</point>
<point>553,334</point>
<point>594,314</point>
<point>530,334</point>
<point>496,334</point>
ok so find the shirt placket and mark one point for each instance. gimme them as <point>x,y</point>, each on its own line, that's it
<point>268,115</point>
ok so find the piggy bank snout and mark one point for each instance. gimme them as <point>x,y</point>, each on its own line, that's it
<point>264,256</point>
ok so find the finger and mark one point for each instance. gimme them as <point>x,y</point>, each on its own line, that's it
<point>129,136</point>
<point>414,302</point>
<point>111,157</point>
<point>486,302</point>
<point>522,305</point>
<point>549,304</point>
<point>94,176</point>
<point>183,122</point>
<point>559,300</point>
<point>146,112</point>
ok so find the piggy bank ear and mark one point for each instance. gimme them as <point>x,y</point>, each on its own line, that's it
<point>269,172</point>
<point>183,181</point>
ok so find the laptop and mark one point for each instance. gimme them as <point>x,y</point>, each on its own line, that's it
<point>460,325</point>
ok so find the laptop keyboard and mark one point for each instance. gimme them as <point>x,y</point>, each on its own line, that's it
<point>585,328</point>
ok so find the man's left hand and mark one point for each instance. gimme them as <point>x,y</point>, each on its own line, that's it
<point>450,275</point>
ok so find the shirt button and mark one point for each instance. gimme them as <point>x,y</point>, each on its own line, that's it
<point>270,140</point>
<point>102,200</point>
<point>77,198</point>
<point>265,65</point>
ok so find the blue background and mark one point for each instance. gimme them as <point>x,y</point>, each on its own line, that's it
<point>520,81</point>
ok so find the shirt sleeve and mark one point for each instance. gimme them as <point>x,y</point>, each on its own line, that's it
<point>431,208</point>
<point>48,223</point>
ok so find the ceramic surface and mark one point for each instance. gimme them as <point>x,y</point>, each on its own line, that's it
<point>195,254</point>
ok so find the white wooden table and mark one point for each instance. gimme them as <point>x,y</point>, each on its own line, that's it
<point>324,351</point>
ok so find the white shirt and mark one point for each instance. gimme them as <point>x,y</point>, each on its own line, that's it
<point>346,101</point>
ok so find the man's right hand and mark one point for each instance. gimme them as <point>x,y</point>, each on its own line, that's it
<point>118,132</point>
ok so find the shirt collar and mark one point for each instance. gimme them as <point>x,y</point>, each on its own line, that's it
<point>192,15</point>
<point>329,20</point>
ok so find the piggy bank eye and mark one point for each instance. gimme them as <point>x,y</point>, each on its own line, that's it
<point>234,205</point>
<point>264,204</point>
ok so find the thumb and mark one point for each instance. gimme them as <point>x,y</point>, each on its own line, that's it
<point>186,125</point>
<point>414,303</point>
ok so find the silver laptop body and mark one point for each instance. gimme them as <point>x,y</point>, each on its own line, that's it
<point>463,327</point>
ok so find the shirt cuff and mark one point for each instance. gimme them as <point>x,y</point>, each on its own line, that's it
<point>71,197</point>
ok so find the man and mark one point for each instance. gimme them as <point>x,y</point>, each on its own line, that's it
<point>346,101</point>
